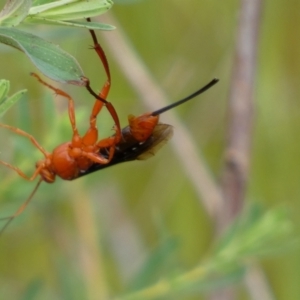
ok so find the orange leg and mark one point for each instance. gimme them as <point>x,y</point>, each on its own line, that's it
<point>23,175</point>
<point>71,109</point>
<point>27,135</point>
<point>110,143</point>
<point>91,136</point>
<point>101,54</point>
<point>105,89</point>
<point>35,143</point>
<point>91,133</point>
<point>98,106</point>
<point>96,158</point>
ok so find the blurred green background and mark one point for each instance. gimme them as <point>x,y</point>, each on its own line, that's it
<point>93,236</point>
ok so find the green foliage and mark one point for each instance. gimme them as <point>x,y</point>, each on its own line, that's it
<point>55,13</point>
<point>7,102</point>
<point>62,12</point>
<point>50,59</point>
<point>14,12</point>
<point>249,238</point>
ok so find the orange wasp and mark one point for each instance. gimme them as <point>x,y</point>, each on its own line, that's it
<point>85,154</point>
<point>155,135</point>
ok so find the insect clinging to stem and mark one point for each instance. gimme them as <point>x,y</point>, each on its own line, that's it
<point>86,154</point>
<point>69,159</point>
<point>139,140</point>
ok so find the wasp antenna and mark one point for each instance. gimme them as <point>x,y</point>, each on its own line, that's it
<point>179,102</point>
<point>21,208</point>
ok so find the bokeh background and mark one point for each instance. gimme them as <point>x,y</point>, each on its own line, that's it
<point>93,236</point>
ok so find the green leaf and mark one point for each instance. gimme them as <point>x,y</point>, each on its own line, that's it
<point>47,57</point>
<point>62,12</point>
<point>4,88</point>
<point>5,101</point>
<point>70,9</point>
<point>14,12</point>
<point>55,13</point>
<point>80,24</point>
<point>39,2</point>
<point>253,235</point>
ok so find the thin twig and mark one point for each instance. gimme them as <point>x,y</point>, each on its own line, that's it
<point>238,149</point>
<point>256,283</point>
<point>241,107</point>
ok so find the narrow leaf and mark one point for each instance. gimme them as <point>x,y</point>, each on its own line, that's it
<point>4,88</point>
<point>40,2</point>
<point>83,24</point>
<point>70,10</point>
<point>14,12</point>
<point>8,102</point>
